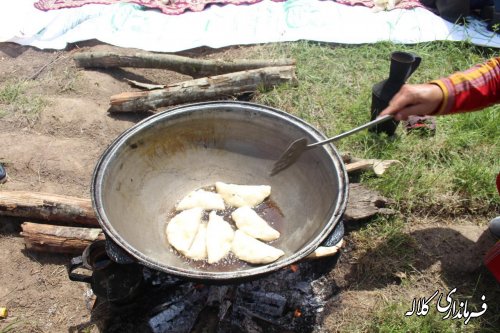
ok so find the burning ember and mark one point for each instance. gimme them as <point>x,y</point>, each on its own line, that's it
<point>291,299</point>
<point>133,298</point>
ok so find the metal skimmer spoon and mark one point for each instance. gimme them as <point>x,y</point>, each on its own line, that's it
<point>296,148</point>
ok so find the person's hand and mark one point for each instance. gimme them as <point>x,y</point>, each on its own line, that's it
<point>414,99</point>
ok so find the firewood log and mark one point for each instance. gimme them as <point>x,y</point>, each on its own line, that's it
<point>190,66</point>
<point>58,239</point>
<point>49,207</point>
<point>207,88</point>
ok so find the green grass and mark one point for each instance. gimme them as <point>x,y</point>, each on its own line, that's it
<point>390,317</point>
<point>450,173</point>
<point>17,102</point>
<point>392,261</point>
<point>383,251</point>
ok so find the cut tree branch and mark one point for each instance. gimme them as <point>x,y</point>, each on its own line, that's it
<point>45,206</point>
<point>359,165</point>
<point>146,86</point>
<point>58,239</point>
<point>189,66</point>
<point>203,89</point>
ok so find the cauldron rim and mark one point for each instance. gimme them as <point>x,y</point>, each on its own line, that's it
<point>143,259</point>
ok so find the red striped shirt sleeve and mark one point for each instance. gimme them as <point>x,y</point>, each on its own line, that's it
<point>471,90</point>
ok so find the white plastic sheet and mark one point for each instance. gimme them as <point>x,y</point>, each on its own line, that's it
<point>129,25</point>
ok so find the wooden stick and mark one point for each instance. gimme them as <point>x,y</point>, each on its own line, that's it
<point>206,88</point>
<point>359,165</point>
<point>146,86</point>
<point>326,251</point>
<point>189,66</point>
<point>35,75</point>
<point>45,206</point>
<point>378,166</point>
<point>58,239</point>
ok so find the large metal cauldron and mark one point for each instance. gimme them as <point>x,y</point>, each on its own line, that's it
<point>151,166</point>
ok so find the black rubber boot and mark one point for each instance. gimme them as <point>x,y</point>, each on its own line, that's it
<point>494,227</point>
<point>403,64</point>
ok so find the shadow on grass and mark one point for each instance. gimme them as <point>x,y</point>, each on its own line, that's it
<point>457,259</point>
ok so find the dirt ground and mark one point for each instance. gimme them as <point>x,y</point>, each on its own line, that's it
<point>56,153</point>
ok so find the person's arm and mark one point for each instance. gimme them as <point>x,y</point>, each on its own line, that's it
<point>470,90</point>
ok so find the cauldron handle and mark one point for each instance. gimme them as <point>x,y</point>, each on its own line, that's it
<point>77,262</point>
<point>117,254</point>
<point>335,236</point>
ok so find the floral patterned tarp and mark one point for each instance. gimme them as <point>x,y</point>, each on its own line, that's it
<point>170,7</point>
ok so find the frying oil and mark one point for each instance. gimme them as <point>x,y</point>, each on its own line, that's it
<point>268,210</point>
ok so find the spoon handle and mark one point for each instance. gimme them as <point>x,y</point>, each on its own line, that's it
<point>354,130</point>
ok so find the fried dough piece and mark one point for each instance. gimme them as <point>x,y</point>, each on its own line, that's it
<point>202,199</point>
<point>248,221</point>
<point>243,195</point>
<point>182,229</point>
<point>252,250</point>
<point>220,235</point>
<point>198,251</point>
